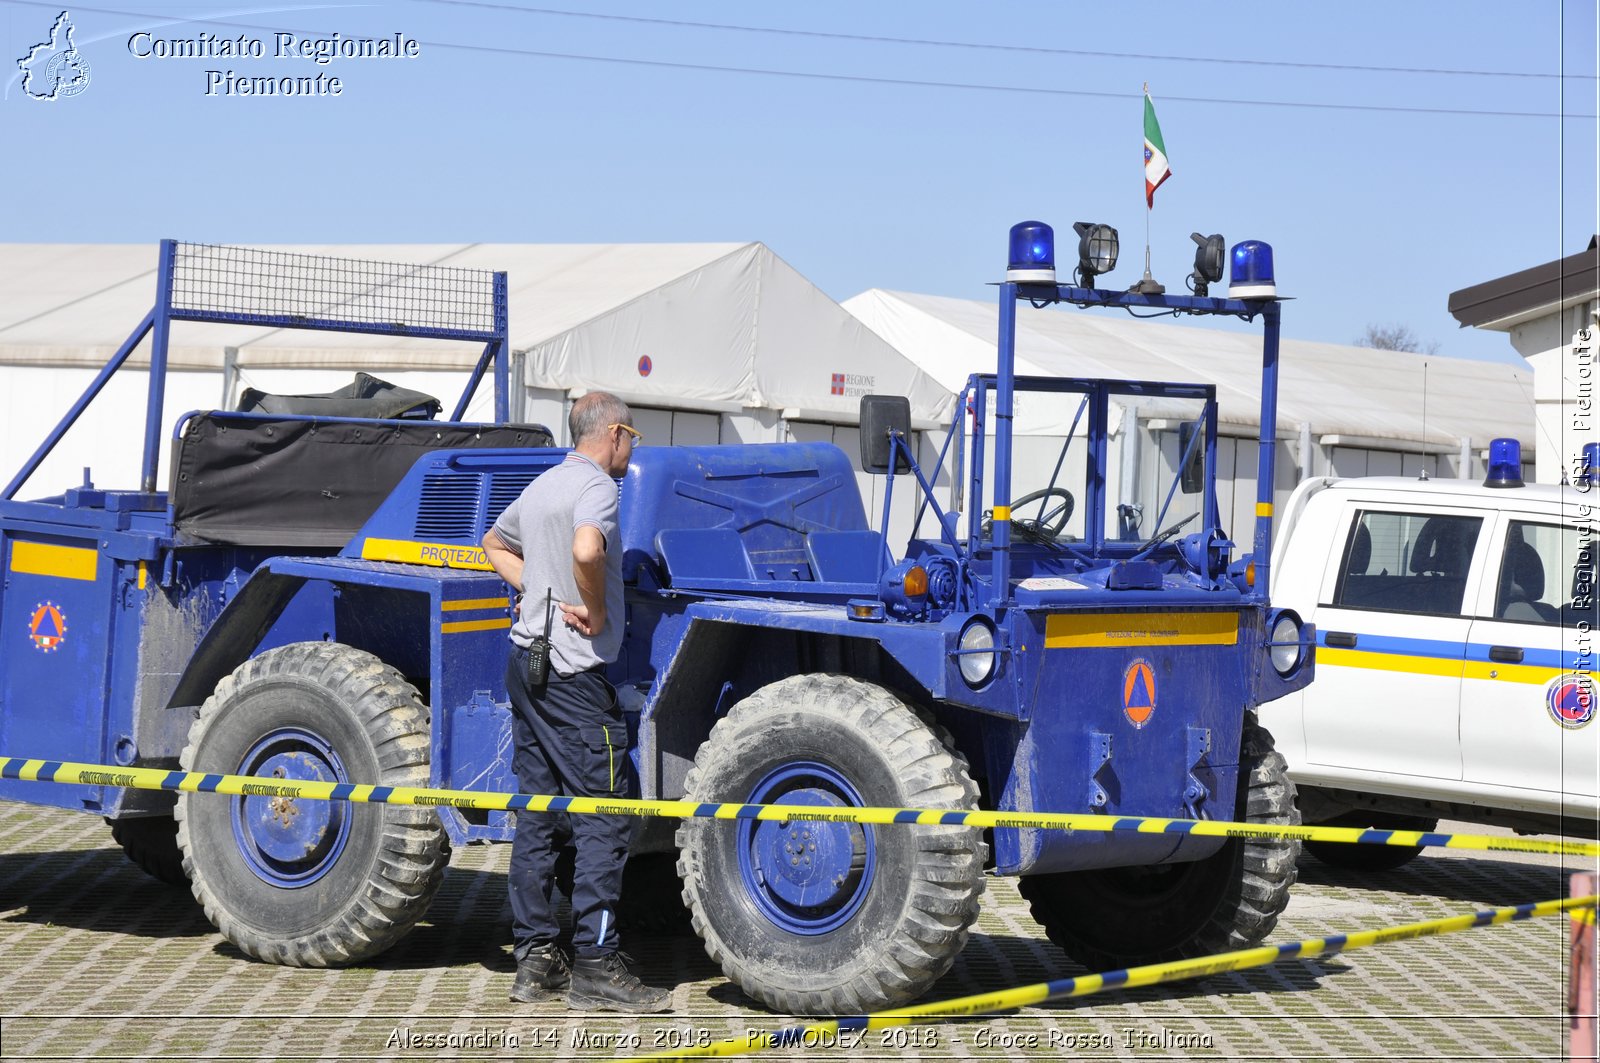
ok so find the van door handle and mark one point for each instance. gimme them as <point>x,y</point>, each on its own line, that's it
<point>1341,639</point>
<point>1506,654</point>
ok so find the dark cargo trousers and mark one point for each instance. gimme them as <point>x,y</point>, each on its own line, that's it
<point>570,740</point>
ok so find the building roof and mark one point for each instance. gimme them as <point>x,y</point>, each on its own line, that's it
<point>1544,289</point>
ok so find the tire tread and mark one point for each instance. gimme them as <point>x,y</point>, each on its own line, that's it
<point>948,882</point>
<point>413,851</point>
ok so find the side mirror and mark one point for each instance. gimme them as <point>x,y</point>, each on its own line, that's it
<point>883,416</point>
<point>1192,479</point>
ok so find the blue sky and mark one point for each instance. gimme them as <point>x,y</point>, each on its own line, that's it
<point>1345,135</point>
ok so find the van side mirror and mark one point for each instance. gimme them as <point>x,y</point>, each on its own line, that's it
<point>1192,480</point>
<point>883,416</point>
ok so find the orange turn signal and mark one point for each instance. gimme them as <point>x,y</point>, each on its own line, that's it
<point>916,584</point>
<point>1250,574</point>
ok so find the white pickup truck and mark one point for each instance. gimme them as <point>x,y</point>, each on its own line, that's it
<point>1456,640</point>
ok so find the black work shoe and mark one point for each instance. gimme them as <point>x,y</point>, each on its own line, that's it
<point>541,974</point>
<point>604,983</point>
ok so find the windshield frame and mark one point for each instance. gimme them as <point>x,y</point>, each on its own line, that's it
<point>972,421</point>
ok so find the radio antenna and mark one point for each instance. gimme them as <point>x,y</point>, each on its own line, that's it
<point>1424,461</point>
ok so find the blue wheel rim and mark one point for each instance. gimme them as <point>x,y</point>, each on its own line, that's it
<point>806,877</point>
<point>284,841</point>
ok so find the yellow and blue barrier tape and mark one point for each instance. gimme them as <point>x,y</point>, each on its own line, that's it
<point>70,773</point>
<point>1131,978</point>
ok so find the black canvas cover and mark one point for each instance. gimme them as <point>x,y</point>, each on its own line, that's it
<point>365,396</point>
<point>249,480</point>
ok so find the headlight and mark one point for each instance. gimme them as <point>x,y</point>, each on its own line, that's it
<point>976,665</point>
<point>1286,648</point>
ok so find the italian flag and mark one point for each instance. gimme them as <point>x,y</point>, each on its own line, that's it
<point>1155,154</point>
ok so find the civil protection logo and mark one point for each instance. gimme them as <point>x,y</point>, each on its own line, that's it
<point>1571,699</point>
<point>54,68</point>
<point>1139,692</point>
<point>47,627</point>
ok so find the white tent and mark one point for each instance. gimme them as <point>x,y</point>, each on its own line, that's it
<point>713,343</point>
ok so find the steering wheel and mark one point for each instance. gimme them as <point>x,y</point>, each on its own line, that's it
<point>1168,532</point>
<point>1059,514</point>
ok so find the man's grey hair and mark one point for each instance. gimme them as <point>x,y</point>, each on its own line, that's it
<point>593,412</point>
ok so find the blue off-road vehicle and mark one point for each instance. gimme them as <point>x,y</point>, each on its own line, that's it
<point>307,600</point>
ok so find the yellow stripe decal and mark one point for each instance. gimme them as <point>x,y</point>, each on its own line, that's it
<point>1002,513</point>
<point>143,574</point>
<point>1263,509</point>
<point>498,624</point>
<point>46,559</point>
<point>475,603</point>
<point>1077,630</point>
<point>1390,662</point>
<point>1396,662</point>
<point>72,773</point>
<point>611,756</point>
<point>439,555</point>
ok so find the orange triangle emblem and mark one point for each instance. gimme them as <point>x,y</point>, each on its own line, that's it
<point>1139,692</point>
<point>47,627</point>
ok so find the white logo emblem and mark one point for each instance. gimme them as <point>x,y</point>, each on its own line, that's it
<point>55,69</point>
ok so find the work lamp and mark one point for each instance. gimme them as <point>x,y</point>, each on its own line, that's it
<point>1208,257</point>
<point>1097,250</point>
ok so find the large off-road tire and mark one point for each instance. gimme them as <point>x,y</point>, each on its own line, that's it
<point>818,918</point>
<point>312,883</point>
<point>1127,916</point>
<point>152,843</point>
<point>1356,857</point>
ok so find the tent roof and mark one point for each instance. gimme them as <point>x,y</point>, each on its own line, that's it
<point>74,304</point>
<point>1367,397</point>
<point>722,324</point>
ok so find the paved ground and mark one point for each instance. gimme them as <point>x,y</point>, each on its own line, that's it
<point>98,961</point>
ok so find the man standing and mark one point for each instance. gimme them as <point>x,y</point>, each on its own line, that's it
<point>558,545</point>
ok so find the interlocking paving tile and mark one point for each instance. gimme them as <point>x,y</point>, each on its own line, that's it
<point>102,962</point>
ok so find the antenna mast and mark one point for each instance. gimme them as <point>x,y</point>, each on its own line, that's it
<point>1424,461</point>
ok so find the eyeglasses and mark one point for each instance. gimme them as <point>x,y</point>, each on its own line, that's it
<point>638,436</point>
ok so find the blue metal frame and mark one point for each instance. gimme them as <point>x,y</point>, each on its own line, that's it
<point>1044,294</point>
<point>88,396</point>
<point>744,596</point>
<point>155,609</point>
<point>158,323</point>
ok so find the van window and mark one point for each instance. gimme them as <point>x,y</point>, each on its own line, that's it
<point>1542,575</point>
<point>1407,562</point>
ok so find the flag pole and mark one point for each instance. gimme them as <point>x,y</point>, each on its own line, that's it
<point>1149,206</point>
<point>1147,285</point>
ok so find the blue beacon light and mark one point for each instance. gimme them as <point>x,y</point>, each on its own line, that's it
<point>1589,472</point>
<point>1505,464</point>
<point>1033,254</point>
<point>1252,271</point>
